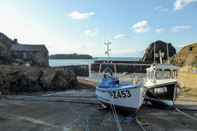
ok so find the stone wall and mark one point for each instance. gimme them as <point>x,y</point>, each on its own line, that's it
<point>41,58</point>
<point>121,68</point>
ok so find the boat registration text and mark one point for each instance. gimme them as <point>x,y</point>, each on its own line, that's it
<point>120,94</point>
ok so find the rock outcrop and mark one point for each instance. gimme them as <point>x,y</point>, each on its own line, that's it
<point>160,47</point>
<point>19,79</point>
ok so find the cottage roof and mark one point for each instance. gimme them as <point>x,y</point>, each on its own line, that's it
<point>23,47</point>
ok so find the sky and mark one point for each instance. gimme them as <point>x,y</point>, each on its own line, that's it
<point>82,26</point>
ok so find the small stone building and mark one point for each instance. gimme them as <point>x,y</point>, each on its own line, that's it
<point>31,54</point>
<point>187,55</point>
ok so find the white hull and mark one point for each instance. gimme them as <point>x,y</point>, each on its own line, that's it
<point>125,97</point>
<point>150,84</point>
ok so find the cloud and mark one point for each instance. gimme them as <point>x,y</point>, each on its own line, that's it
<point>76,15</point>
<point>141,26</point>
<point>161,9</point>
<point>180,28</point>
<point>128,52</point>
<point>159,30</point>
<point>91,32</point>
<point>180,4</point>
<point>119,36</point>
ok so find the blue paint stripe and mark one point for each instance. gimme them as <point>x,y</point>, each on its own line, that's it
<point>119,88</point>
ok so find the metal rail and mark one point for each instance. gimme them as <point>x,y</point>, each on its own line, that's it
<point>139,123</point>
<point>131,64</point>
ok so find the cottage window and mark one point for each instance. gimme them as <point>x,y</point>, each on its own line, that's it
<point>190,49</point>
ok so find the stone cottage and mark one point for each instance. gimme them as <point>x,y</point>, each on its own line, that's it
<point>12,52</point>
<point>31,54</point>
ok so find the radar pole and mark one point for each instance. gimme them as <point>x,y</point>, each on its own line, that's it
<point>108,50</point>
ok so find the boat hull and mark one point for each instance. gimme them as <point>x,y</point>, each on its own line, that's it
<point>125,98</point>
<point>162,95</point>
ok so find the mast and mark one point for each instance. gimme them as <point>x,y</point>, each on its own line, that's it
<point>154,52</point>
<point>168,55</point>
<point>160,57</point>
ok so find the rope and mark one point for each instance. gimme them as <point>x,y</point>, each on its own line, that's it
<point>139,124</point>
<point>178,110</point>
<point>185,114</point>
<point>116,117</point>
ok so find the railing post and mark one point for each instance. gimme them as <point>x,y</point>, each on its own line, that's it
<point>89,70</point>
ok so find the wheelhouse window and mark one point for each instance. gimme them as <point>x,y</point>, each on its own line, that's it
<point>163,74</point>
<point>150,75</point>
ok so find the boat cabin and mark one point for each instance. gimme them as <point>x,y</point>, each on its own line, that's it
<point>161,72</point>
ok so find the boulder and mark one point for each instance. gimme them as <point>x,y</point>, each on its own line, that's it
<point>21,79</point>
<point>160,46</point>
<point>58,79</point>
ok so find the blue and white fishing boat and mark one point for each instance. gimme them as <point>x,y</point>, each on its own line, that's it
<point>111,92</point>
<point>127,96</point>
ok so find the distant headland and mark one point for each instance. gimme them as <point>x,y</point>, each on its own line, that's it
<point>70,56</point>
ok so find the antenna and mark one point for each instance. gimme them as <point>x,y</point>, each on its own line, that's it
<point>107,52</point>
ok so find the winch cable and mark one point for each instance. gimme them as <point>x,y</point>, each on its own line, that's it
<point>115,116</point>
<point>139,123</point>
<point>185,114</point>
<point>182,112</point>
<point>178,110</point>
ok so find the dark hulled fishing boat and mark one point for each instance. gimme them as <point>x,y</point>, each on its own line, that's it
<point>161,84</point>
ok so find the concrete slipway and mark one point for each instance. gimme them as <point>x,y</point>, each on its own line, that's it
<point>76,110</point>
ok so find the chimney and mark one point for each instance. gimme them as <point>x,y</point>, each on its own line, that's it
<point>15,41</point>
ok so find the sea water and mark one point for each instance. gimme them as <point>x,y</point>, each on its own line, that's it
<point>66,62</point>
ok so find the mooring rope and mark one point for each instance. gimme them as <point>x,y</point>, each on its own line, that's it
<point>185,114</point>
<point>115,116</point>
<point>178,110</point>
<point>139,124</point>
